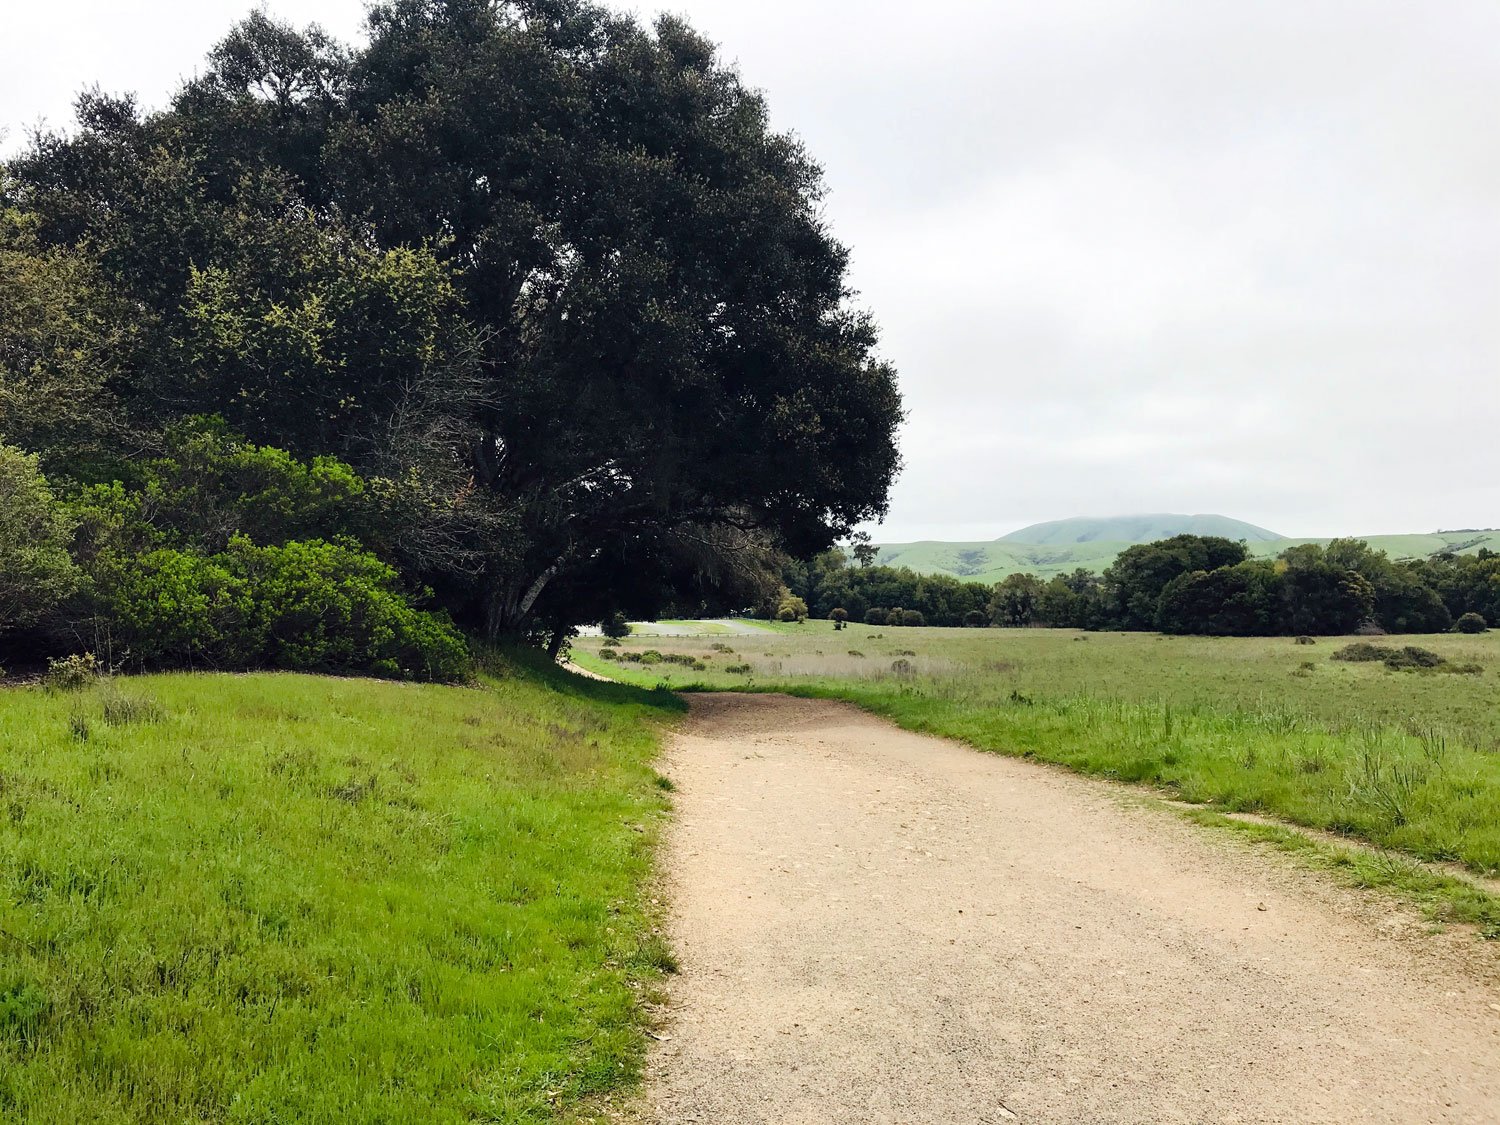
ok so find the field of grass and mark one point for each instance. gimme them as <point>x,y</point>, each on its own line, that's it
<point>276,898</point>
<point>1409,760</point>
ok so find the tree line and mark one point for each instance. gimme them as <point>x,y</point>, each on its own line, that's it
<point>484,327</point>
<point>1187,584</point>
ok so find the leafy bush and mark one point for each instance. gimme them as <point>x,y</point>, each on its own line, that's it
<point>36,571</point>
<point>312,606</point>
<point>615,627</point>
<point>1410,656</point>
<point>738,669</point>
<point>913,618</point>
<point>213,486</point>
<point>72,673</point>
<point>1471,623</point>
<point>975,620</point>
<point>1306,641</point>
<point>1406,657</point>
<point>790,607</point>
<point>877,616</point>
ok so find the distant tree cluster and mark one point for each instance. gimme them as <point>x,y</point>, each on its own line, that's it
<point>1187,584</point>
<point>504,308</point>
<point>883,595</point>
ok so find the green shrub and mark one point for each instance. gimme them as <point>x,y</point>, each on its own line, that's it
<point>1471,623</point>
<point>1410,656</point>
<point>1361,652</point>
<point>615,627</point>
<point>72,673</point>
<point>36,571</point>
<point>313,606</point>
<point>912,618</point>
<point>1406,657</point>
<point>213,486</point>
<point>877,616</point>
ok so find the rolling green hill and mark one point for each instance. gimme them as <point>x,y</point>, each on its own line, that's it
<point>991,562</point>
<point>1136,529</point>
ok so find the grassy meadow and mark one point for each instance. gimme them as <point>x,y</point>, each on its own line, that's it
<point>1409,759</point>
<point>277,898</point>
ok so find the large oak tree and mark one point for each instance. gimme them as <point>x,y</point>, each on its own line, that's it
<point>572,248</point>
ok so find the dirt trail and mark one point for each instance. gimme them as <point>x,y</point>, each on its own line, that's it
<point>880,927</point>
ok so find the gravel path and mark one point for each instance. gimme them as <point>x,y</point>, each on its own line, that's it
<point>875,926</point>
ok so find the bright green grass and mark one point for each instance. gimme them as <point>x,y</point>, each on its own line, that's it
<point>1404,759</point>
<point>276,898</point>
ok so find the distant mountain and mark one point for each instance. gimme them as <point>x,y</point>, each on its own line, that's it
<point>990,562</point>
<point>1136,529</point>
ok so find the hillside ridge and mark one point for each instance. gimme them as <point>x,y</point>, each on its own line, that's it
<point>1144,528</point>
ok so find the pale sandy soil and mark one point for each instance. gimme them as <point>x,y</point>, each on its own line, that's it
<point>880,927</point>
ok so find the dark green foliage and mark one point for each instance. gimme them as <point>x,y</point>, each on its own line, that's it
<point>615,627</point>
<point>1322,598</point>
<point>1242,600</point>
<point>1141,573</point>
<point>1017,601</point>
<point>550,273</point>
<point>1344,588</point>
<point>1471,623</point>
<point>1467,583</point>
<point>1397,659</point>
<point>866,592</point>
<point>913,618</point>
<point>306,606</point>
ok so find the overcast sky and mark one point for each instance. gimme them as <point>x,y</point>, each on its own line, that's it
<point>1128,255</point>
